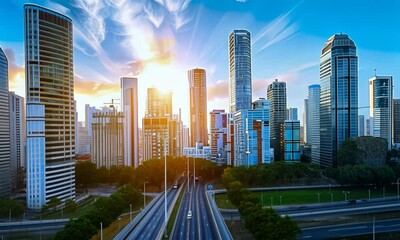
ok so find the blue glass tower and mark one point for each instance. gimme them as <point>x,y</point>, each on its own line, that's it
<point>339,96</point>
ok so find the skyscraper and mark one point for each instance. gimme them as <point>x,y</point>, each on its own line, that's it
<point>380,102</point>
<point>239,70</point>
<point>305,122</point>
<point>129,102</point>
<point>291,114</point>
<point>198,106</point>
<point>4,128</point>
<point>396,122</point>
<point>276,93</point>
<point>17,139</point>
<point>339,96</point>
<point>159,103</point>
<point>50,110</point>
<point>292,140</point>
<point>361,125</point>
<point>218,136</point>
<point>313,121</point>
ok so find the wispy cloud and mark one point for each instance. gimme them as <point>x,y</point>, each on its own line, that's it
<point>94,88</point>
<point>218,90</point>
<point>242,1</point>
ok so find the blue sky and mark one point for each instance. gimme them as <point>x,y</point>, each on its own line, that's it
<point>159,40</point>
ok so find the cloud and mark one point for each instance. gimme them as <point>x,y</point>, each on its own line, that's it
<point>16,74</point>
<point>94,88</point>
<point>218,90</point>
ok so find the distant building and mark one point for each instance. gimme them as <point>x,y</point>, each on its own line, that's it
<point>369,126</point>
<point>252,134</point>
<point>291,114</point>
<point>361,125</point>
<point>129,105</point>
<point>17,140</point>
<point>199,151</point>
<point>292,141</point>
<point>218,127</point>
<point>230,142</point>
<point>86,147</point>
<point>381,99</point>
<point>176,135</point>
<point>371,150</point>
<point>108,139</point>
<point>305,122</point>
<point>198,106</point>
<point>185,137</point>
<point>396,122</point>
<point>313,122</point>
<point>339,96</point>
<point>276,94</point>
<point>50,107</point>
<point>5,167</point>
<point>84,141</point>
<point>239,50</point>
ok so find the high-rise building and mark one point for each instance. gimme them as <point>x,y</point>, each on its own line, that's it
<point>292,140</point>
<point>252,134</point>
<point>230,142</point>
<point>5,188</point>
<point>218,127</point>
<point>50,108</point>
<point>86,147</point>
<point>159,103</point>
<point>239,70</point>
<point>108,139</point>
<point>276,93</point>
<point>380,102</point>
<point>77,150</point>
<point>361,125</point>
<point>313,121</point>
<point>84,141</point>
<point>339,96</point>
<point>369,126</point>
<point>396,122</point>
<point>176,135</point>
<point>198,106</point>
<point>185,137</point>
<point>305,122</point>
<point>129,105</point>
<point>291,114</point>
<point>17,140</point>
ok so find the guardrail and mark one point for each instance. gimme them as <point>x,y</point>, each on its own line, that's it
<point>222,229</point>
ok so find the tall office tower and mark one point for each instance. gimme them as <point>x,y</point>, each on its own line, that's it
<point>252,134</point>
<point>380,102</point>
<point>185,137</point>
<point>396,122</point>
<point>83,141</point>
<point>313,122</point>
<point>17,140</point>
<point>369,126</point>
<point>291,114</point>
<point>292,141</point>
<point>361,125</point>
<point>276,93</point>
<point>108,139</point>
<point>159,103</point>
<point>176,135</point>
<point>339,96</point>
<point>129,105</point>
<point>305,121</point>
<point>77,150</point>
<point>239,70</point>
<point>87,145</point>
<point>198,106</point>
<point>50,110</point>
<point>5,189</point>
<point>218,127</point>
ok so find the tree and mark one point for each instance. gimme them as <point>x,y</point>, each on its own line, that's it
<point>70,205</point>
<point>53,203</point>
<point>7,205</point>
<point>347,154</point>
<point>85,174</point>
<point>77,229</point>
<point>235,193</point>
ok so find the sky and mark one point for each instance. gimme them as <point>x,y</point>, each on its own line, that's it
<point>158,41</point>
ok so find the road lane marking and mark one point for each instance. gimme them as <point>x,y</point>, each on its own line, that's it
<point>349,228</point>
<point>306,237</point>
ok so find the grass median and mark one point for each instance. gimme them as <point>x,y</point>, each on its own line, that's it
<point>174,212</point>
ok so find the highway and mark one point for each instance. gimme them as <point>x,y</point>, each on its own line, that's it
<point>350,229</point>
<point>201,225</point>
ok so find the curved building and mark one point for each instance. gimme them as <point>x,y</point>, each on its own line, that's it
<point>339,96</point>
<point>50,108</point>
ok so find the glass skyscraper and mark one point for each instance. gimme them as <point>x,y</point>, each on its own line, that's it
<point>313,126</point>
<point>380,102</point>
<point>5,188</point>
<point>239,70</point>
<point>50,108</point>
<point>339,96</point>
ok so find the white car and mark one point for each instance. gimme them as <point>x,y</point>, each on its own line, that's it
<point>189,215</point>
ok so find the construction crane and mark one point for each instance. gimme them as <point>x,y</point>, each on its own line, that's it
<point>112,103</point>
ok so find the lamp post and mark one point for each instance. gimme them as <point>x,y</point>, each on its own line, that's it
<point>165,187</point>
<point>194,168</point>
<point>187,161</point>
<point>383,191</point>
<point>369,194</point>
<point>345,195</point>
<point>130,212</point>
<point>272,201</point>
<point>280,200</point>
<point>331,198</point>
<point>398,188</point>
<point>144,194</point>
<point>318,193</point>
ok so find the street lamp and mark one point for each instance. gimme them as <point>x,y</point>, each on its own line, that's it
<point>369,194</point>
<point>272,201</point>
<point>398,188</point>
<point>345,195</point>
<point>280,200</point>
<point>165,187</point>
<point>318,193</point>
<point>383,191</point>
<point>130,212</point>
<point>144,194</point>
<point>331,198</point>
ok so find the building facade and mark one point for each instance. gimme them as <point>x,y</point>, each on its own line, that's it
<point>155,137</point>
<point>50,108</point>
<point>305,122</point>
<point>108,139</point>
<point>219,137</point>
<point>292,141</point>
<point>292,114</point>
<point>5,177</point>
<point>17,140</point>
<point>239,49</point>
<point>276,94</point>
<point>396,123</point>
<point>380,102</point>
<point>198,106</point>
<point>129,105</point>
<point>361,125</point>
<point>339,96</point>
<point>313,122</point>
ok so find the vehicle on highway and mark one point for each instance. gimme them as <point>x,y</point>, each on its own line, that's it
<point>176,185</point>
<point>189,215</point>
<point>197,179</point>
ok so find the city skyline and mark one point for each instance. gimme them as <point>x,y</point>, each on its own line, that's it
<point>286,45</point>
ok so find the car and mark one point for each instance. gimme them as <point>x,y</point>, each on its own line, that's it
<point>189,215</point>
<point>175,186</point>
<point>197,179</point>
